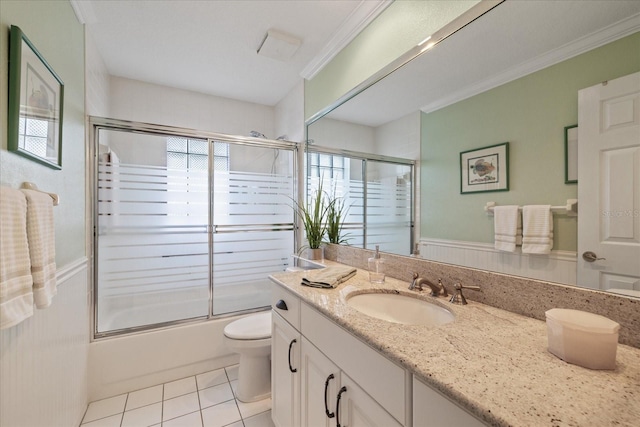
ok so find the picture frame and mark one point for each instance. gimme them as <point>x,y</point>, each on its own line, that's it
<point>571,154</point>
<point>485,169</point>
<point>36,99</point>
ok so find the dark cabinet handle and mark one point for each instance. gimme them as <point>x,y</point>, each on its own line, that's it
<point>326,404</point>
<point>282,305</point>
<point>291,368</point>
<point>342,390</point>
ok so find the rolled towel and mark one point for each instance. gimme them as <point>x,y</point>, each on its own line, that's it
<point>537,229</point>
<point>16,283</point>
<point>507,228</point>
<point>42,250</point>
<point>328,277</point>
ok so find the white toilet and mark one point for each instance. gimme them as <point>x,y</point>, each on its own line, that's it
<point>251,337</point>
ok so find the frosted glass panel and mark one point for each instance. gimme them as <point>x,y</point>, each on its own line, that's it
<point>253,225</point>
<point>153,257</point>
<point>178,241</point>
<point>377,193</point>
<point>389,201</point>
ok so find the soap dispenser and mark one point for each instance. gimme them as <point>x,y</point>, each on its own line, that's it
<point>376,267</point>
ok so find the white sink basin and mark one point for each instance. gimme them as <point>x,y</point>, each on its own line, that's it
<point>399,308</point>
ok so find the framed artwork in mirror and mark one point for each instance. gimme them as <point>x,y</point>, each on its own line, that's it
<point>571,154</point>
<point>485,169</point>
<point>35,103</point>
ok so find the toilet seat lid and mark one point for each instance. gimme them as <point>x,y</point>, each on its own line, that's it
<point>253,327</point>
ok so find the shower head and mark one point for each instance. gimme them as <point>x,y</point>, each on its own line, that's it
<point>256,134</point>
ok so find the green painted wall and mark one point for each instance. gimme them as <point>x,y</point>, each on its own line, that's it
<point>55,31</point>
<point>400,27</point>
<point>530,113</point>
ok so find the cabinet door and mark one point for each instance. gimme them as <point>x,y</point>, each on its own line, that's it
<point>357,409</point>
<point>285,373</point>
<point>431,409</point>
<point>320,385</point>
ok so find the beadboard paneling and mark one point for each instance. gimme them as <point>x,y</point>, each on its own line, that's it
<point>43,360</point>
<point>558,266</point>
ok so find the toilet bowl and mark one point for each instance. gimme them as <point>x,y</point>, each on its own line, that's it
<point>251,338</point>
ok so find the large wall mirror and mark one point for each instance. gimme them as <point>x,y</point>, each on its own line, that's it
<point>511,75</point>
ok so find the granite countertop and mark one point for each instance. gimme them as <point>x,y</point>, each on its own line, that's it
<point>490,361</point>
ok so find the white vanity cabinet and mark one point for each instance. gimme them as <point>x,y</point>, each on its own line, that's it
<point>285,373</point>
<point>323,376</point>
<point>306,382</point>
<point>319,387</point>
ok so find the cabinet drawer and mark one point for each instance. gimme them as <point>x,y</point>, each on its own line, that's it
<point>382,379</point>
<point>292,303</point>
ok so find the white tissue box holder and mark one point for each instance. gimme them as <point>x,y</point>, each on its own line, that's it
<point>582,338</point>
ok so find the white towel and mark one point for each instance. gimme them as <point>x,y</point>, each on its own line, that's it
<point>42,250</point>
<point>537,229</point>
<point>507,224</point>
<point>16,283</point>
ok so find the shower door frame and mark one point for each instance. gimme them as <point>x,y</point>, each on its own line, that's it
<point>102,123</point>
<point>365,158</point>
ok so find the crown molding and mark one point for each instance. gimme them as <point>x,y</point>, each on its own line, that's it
<point>584,44</point>
<point>359,18</point>
<point>84,11</point>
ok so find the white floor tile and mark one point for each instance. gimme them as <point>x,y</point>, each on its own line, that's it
<point>112,421</point>
<point>260,420</point>
<point>104,408</point>
<point>237,424</point>
<point>144,397</point>
<point>143,417</point>
<point>234,387</point>
<point>180,387</point>
<point>250,409</point>
<point>232,372</point>
<point>221,415</point>
<point>214,395</point>
<point>193,419</point>
<point>179,406</point>
<point>209,379</point>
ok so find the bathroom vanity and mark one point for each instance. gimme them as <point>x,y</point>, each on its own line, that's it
<point>333,365</point>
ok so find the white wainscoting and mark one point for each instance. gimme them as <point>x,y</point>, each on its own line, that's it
<point>559,266</point>
<point>43,362</point>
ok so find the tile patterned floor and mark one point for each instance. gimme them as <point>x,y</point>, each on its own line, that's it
<point>206,400</point>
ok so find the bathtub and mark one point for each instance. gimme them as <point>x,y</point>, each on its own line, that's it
<point>131,362</point>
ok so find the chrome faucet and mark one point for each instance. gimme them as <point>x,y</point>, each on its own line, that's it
<point>436,289</point>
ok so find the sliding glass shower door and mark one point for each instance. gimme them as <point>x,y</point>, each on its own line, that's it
<point>253,233</point>
<point>377,193</point>
<point>186,227</point>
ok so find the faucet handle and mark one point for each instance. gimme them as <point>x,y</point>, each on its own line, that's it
<point>415,285</point>
<point>457,297</point>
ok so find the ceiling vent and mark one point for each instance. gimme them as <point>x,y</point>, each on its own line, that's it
<point>277,45</point>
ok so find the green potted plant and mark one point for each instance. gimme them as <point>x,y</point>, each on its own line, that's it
<point>313,216</point>
<point>336,213</point>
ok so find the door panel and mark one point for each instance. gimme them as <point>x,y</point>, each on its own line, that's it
<point>609,185</point>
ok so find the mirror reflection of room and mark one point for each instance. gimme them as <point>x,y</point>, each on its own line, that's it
<point>475,89</point>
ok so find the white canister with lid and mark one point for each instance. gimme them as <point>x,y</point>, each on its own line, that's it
<point>582,338</point>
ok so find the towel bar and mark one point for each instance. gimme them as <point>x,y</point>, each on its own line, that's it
<point>571,208</point>
<point>32,186</point>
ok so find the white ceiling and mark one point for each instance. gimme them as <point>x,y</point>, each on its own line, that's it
<point>209,46</point>
<point>513,39</point>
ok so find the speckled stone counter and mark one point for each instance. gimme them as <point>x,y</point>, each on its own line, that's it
<point>492,362</point>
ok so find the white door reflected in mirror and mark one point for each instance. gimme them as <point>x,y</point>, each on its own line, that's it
<point>609,167</point>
